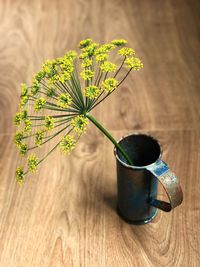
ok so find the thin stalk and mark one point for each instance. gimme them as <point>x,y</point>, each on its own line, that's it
<point>110,92</point>
<point>110,137</point>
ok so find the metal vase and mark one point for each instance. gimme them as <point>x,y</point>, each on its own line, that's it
<point>137,185</point>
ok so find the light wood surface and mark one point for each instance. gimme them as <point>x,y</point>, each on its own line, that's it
<point>65,215</point>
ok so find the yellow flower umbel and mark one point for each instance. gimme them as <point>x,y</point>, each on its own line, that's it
<point>125,51</point>
<point>27,125</point>
<point>39,137</point>
<point>91,92</point>
<point>101,57</point>
<point>85,43</point>
<point>109,85</point>
<point>67,144</point>
<point>19,136</point>
<point>65,90</point>
<point>19,174</point>
<point>39,104</point>
<point>120,42</point>
<point>49,123</point>
<point>108,67</point>
<point>134,63</point>
<point>64,100</point>
<point>23,148</point>
<point>87,74</point>
<point>79,124</point>
<point>32,163</point>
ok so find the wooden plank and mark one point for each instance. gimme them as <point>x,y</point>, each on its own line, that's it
<point>65,215</point>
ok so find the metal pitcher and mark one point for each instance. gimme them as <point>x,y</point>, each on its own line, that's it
<point>137,201</point>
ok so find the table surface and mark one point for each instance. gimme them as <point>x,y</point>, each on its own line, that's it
<point>65,215</point>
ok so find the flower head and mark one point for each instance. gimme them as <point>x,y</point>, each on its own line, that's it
<point>32,163</point>
<point>49,68</point>
<point>110,84</point>
<point>24,90</point>
<point>79,124</point>
<point>23,100</point>
<point>27,125</point>
<point>86,63</point>
<point>85,43</point>
<point>39,103</point>
<point>65,76</point>
<point>39,76</point>
<point>64,100</point>
<point>49,123</point>
<point>101,57</point>
<point>39,137</point>
<point>108,67</point>
<point>105,48</point>
<point>35,87</point>
<point>23,148</point>
<point>91,91</point>
<point>90,49</point>
<point>19,136</point>
<point>87,74</point>
<point>19,174</point>
<point>20,116</point>
<point>71,55</point>
<point>125,51</point>
<point>120,42</point>
<point>134,63</point>
<point>67,144</point>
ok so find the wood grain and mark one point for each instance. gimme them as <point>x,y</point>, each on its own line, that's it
<point>65,215</point>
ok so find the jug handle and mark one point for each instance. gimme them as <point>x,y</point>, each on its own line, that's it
<point>171,184</point>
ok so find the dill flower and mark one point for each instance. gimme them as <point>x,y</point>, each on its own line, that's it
<point>65,76</point>
<point>120,42</point>
<point>39,103</point>
<point>83,55</point>
<point>19,175</point>
<point>87,74</point>
<point>24,89</point>
<point>64,100</point>
<point>49,68</point>
<point>110,84</point>
<point>91,92</point>
<point>125,51</point>
<point>67,65</point>
<point>39,137</point>
<point>90,50</point>
<point>19,136</point>
<point>49,122</point>
<point>101,57</point>
<point>39,76</point>
<point>23,148</point>
<point>86,63</point>
<point>108,67</point>
<point>23,100</point>
<point>32,163</point>
<point>71,55</point>
<point>18,118</point>
<point>85,43</point>
<point>35,87</point>
<point>79,124</point>
<point>105,48</point>
<point>134,63</point>
<point>67,144</point>
<point>27,125</point>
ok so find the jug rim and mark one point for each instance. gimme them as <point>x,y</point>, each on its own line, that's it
<point>137,167</point>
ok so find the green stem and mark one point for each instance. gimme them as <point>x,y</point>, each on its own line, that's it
<point>104,131</point>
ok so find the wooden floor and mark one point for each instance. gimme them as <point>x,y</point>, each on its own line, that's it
<point>65,215</point>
